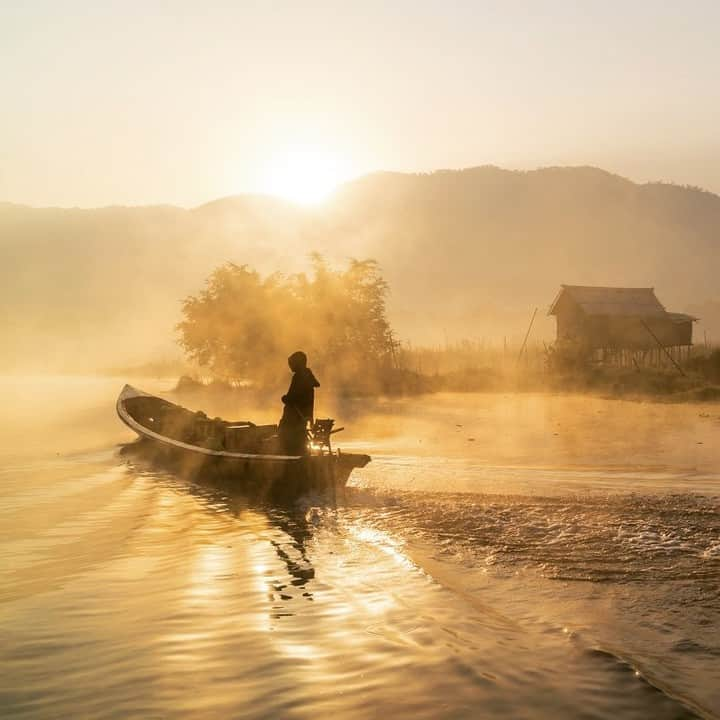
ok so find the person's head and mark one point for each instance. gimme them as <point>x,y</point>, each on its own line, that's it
<point>297,361</point>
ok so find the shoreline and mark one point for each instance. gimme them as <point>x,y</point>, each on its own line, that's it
<point>700,393</point>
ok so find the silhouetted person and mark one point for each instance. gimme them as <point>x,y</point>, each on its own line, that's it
<point>299,406</point>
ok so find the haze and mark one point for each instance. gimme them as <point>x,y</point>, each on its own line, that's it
<point>137,103</point>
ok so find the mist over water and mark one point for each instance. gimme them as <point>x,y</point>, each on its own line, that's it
<point>522,556</point>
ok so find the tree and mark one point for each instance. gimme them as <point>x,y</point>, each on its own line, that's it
<point>242,326</point>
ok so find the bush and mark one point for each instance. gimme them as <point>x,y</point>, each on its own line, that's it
<point>708,366</point>
<point>568,357</point>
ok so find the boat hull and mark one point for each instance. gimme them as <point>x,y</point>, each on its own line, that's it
<point>256,474</point>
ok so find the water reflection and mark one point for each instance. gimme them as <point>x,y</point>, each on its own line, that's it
<point>213,602</point>
<point>293,554</point>
<point>290,524</point>
<point>449,586</point>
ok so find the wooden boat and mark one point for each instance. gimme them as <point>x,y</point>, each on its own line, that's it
<point>239,452</point>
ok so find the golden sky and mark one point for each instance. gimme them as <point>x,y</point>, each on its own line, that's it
<point>126,102</point>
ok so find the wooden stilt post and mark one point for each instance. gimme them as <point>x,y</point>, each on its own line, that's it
<point>662,347</point>
<point>527,334</point>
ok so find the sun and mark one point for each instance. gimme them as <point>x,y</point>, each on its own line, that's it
<point>305,174</point>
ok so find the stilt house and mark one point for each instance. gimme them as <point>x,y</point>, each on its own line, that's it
<point>621,324</point>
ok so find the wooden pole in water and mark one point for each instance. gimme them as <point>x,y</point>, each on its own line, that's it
<point>662,347</point>
<point>527,334</point>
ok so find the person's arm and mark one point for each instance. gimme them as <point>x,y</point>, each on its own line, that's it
<point>290,398</point>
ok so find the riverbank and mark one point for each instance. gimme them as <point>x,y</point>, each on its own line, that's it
<point>642,385</point>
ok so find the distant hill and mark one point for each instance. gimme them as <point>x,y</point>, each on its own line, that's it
<point>475,250</point>
<point>468,253</point>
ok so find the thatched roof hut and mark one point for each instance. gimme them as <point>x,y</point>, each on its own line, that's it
<point>618,318</point>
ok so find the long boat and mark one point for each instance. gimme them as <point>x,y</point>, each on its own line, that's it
<point>240,452</point>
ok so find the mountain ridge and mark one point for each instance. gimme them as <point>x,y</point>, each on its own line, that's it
<point>377,174</point>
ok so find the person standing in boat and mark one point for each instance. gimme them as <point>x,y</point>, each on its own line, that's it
<point>299,407</point>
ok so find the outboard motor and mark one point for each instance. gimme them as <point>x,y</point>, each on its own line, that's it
<point>320,433</point>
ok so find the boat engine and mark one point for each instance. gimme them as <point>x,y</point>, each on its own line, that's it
<point>319,435</point>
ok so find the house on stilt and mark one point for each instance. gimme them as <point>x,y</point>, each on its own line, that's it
<point>623,326</point>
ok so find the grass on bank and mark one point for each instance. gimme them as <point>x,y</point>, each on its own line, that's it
<point>490,370</point>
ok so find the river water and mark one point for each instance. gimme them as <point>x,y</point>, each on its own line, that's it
<point>503,556</point>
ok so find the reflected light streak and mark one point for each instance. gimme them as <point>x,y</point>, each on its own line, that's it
<point>385,542</point>
<point>212,563</point>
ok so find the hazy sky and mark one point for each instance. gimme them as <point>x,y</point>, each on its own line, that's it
<point>140,102</point>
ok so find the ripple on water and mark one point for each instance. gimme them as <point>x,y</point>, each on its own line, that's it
<point>134,593</point>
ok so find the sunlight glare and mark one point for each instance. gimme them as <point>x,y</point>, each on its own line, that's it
<point>303,174</point>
